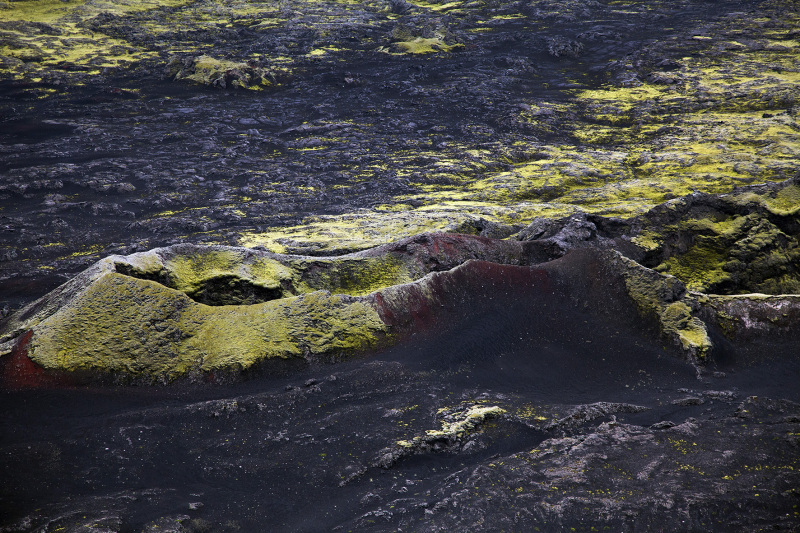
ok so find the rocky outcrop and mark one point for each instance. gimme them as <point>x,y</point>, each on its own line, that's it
<point>458,426</point>
<point>624,477</point>
<point>221,73</point>
<point>742,242</point>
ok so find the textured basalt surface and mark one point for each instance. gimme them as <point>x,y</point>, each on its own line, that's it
<point>111,143</point>
<point>551,247</point>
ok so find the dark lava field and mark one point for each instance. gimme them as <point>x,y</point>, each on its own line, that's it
<point>602,428</point>
<point>320,128</point>
<point>102,156</point>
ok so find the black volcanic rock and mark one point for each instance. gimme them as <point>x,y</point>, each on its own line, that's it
<point>407,265</point>
<point>527,397</point>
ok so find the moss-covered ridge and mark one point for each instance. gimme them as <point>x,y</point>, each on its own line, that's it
<point>196,310</point>
<point>702,260</point>
<point>664,299</point>
<point>188,310</point>
<point>166,335</point>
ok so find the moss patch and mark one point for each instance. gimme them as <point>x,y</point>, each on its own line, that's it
<point>356,276</point>
<point>421,45</point>
<point>352,232</point>
<point>677,319</point>
<point>130,327</point>
<point>738,243</point>
<point>457,424</point>
<point>664,299</point>
<point>208,70</point>
<point>214,275</point>
<point>700,267</point>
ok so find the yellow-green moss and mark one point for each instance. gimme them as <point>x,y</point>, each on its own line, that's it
<point>268,273</point>
<point>785,202</point>
<point>733,252</point>
<point>649,290</point>
<point>192,272</point>
<point>145,264</point>
<point>357,276</point>
<point>118,324</point>
<point>464,423</point>
<point>663,298</point>
<point>677,319</point>
<point>648,240</point>
<point>704,131</point>
<point>312,324</point>
<point>70,38</point>
<point>351,232</point>
<point>128,326</point>
<point>422,45</point>
<point>189,272</point>
<point>434,6</point>
<point>700,267</point>
<point>208,70</point>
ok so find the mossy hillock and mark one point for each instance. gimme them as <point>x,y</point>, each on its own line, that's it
<point>741,242</point>
<point>193,311</point>
<point>190,310</point>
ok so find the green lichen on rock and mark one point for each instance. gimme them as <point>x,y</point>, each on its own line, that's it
<point>356,276</point>
<point>649,290</point>
<point>784,202</point>
<point>429,39</point>
<point>650,136</point>
<point>677,320</point>
<point>355,231</point>
<point>228,276</point>
<point>311,325</point>
<point>422,45</point>
<point>742,242</point>
<point>458,423</point>
<point>145,316</point>
<point>189,272</point>
<point>701,266</point>
<point>219,275</point>
<point>108,327</point>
